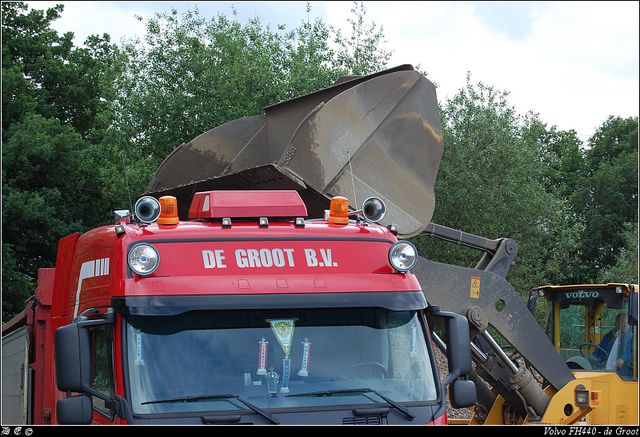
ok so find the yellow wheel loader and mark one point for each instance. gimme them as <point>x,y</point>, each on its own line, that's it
<point>594,328</point>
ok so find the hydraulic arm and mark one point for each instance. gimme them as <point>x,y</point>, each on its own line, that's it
<point>484,296</point>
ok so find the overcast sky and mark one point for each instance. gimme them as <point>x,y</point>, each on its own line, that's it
<point>574,63</point>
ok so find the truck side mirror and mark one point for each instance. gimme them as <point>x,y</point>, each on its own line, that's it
<point>462,393</point>
<point>73,358</point>
<point>74,410</point>
<point>72,344</point>
<point>456,327</point>
<point>456,331</point>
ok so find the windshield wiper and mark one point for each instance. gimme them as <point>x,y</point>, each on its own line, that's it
<point>263,413</point>
<point>394,404</point>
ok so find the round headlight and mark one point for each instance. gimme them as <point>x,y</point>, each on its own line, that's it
<point>403,256</point>
<point>143,259</point>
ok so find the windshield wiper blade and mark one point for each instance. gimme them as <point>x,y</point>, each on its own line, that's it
<point>252,407</point>
<point>394,404</point>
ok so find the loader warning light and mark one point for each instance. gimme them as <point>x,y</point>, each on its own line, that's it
<point>168,211</point>
<point>595,395</point>
<point>339,211</point>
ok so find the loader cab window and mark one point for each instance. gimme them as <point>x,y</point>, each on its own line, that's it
<point>590,330</point>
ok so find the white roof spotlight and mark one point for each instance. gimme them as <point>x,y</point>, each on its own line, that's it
<point>143,259</point>
<point>403,256</point>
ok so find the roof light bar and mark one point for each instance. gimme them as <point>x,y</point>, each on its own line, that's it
<point>247,204</point>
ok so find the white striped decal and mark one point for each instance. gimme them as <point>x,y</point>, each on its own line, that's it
<point>90,269</point>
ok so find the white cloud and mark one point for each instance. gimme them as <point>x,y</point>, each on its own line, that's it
<point>86,18</point>
<point>575,63</point>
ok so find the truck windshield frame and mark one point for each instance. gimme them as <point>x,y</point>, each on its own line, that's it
<point>196,355</point>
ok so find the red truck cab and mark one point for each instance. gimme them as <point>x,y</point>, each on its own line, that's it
<point>248,313</point>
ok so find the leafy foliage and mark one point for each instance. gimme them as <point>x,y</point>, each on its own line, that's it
<point>625,267</point>
<point>193,74</point>
<point>56,110</point>
<point>360,52</point>
<point>607,193</point>
<point>493,182</point>
<point>45,184</point>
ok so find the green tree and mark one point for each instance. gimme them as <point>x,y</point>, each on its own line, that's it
<point>361,53</point>
<point>56,113</point>
<point>625,267</point>
<point>607,193</point>
<point>44,198</point>
<point>564,159</point>
<point>308,59</point>
<point>28,44</point>
<point>74,116</point>
<point>43,72</point>
<point>193,74</point>
<point>491,183</point>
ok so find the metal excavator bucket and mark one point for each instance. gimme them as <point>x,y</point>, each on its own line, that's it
<point>376,135</point>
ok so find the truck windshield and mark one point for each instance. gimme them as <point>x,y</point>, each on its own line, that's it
<point>277,359</point>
